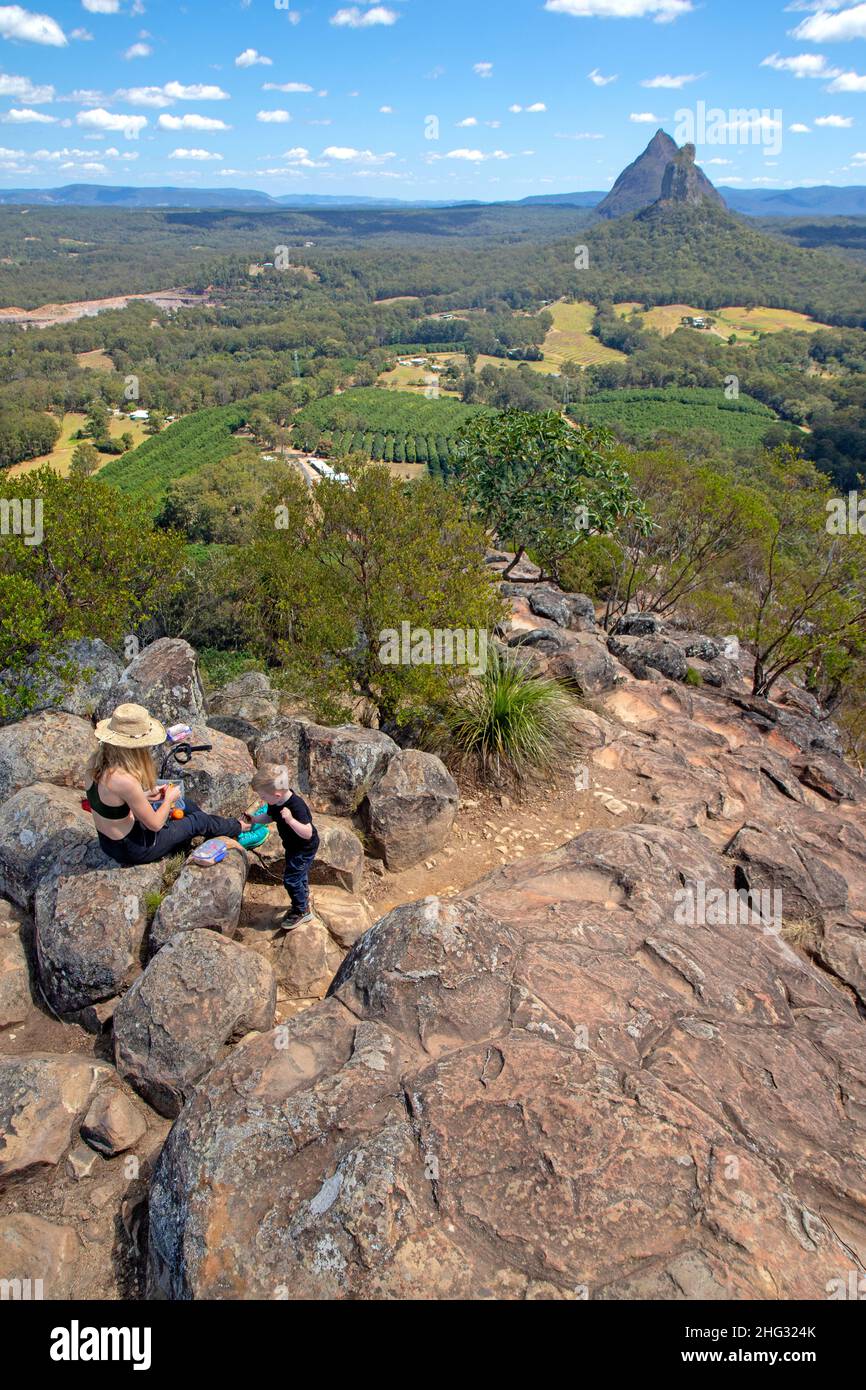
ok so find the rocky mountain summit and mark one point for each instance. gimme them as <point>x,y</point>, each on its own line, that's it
<point>627,1068</point>
<point>662,173</point>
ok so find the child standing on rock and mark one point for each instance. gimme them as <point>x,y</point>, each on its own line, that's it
<point>294,823</point>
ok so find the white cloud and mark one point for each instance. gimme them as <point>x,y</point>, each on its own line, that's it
<point>24,89</point>
<point>196,91</point>
<point>578,135</point>
<point>514,109</point>
<point>355,18</point>
<point>800,64</point>
<point>536,106</point>
<point>472,156</point>
<point>273,117</point>
<point>835,122</point>
<point>286,87</point>
<point>716,161</point>
<point>191,122</point>
<point>297,152</point>
<point>799,129</point>
<point>644,118</point>
<point>25,116</point>
<point>251,58</point>
<point>829,27</point>
<point>100,119</point>
<point>346,154</point>
<point>92,168</point>
<point>599,80</point>
<point>83,35</point>
<point>848,82</point>
<point>386,110</point>
<point>466,122</point>
<point>671,83</point>
<point>18,23</point>
<point>662,11</point>
<point>194,154</point>
<point>483,69</point>
<point>102,6</point>
<point>138,50</point>
<point>171,92</point>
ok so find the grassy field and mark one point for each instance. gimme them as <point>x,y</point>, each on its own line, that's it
<point>570,339</point>
<point>96,361</point>
<point>61,455</point>
<point>745,323</point>
<point>419,379</point>
<point>639,415</point>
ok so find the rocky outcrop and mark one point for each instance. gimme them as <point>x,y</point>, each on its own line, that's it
<point>164,678</point>
<point>90,929</point>
<point>410,810</point>
<point>683,182</point>
<point>218,780</point>
<point>43,829</point>
<point>37,1257</point>
<point>199,993</point>
<point>209,897</point>
<point>343,764</point>
<point>113,1124</point>
<point>339,860</point>
<point>43,1100</point>
<point>46,747</point>
<point>555,1086</point>
<point>94,671</point>
<point>15,999</point>
<point>250,697</point>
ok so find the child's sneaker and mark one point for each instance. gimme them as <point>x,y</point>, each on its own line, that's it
<point>290,920</point>
<point>251,839</point>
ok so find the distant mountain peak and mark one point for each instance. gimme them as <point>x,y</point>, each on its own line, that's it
<point>662,173</point>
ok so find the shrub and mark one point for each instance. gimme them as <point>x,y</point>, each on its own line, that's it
<point>510,722</point>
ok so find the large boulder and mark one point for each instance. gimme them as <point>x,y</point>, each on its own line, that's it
<point>164,678</point>
<point>94,671</point>
<point>556,1086</point>
<point>585,666</point>
<point>197,995</point>
<point>42,829</point>
<point>38,1258</point>
<point>339,861</point>
<point>643,654</point>
<point>114,1123</point>
<point>209,897</point>
<point>774,862</point>
<point>15,998</point>
<point>250,697</point>
<point>308,961</point>
<point>410,810</point>
<point>90,929</point>
<point>43,1100</point>
<point>346,916</point>
<point>219,780</point>
<point>283,743</point>
<point>46,747</point>
<point>343,763</point>
<point>566,610</point>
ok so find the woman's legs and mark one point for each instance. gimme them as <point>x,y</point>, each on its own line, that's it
<point>147,846</point>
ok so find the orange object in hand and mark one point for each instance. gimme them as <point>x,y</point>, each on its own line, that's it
<point>176,815</point>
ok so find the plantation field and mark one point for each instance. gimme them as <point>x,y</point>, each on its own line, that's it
<point>394,427</point>
<point>570,339</point>
<point>61,455</point>
<point>207,436</point>
<point>639,415</point>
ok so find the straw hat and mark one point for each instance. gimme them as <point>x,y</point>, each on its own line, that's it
<point>130,727</point>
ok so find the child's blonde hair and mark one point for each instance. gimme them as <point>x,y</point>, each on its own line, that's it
<point>273,777</point>
<point>111,757</point>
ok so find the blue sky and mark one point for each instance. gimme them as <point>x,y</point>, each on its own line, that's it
<point>412,99</point>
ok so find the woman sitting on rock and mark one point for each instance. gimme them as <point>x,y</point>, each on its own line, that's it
<point>123,773</point>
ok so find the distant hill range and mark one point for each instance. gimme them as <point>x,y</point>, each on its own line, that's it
<point>638,186</point>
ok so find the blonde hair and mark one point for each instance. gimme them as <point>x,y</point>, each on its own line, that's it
<point>271,777</point>
<point>109,757</point>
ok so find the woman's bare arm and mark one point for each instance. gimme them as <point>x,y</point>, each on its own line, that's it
<point>122,784</point>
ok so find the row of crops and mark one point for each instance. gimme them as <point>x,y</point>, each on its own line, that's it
<point>386,426</point>
<point>390,448</point>
<point>205,437</point>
